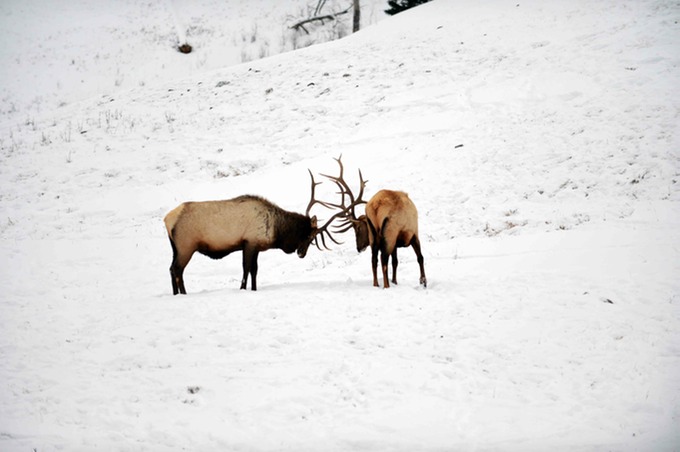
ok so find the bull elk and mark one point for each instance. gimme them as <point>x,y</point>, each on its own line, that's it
<point>390,222</point>
<point>247,223</point>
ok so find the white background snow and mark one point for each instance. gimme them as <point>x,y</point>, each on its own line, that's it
<point>539,141</point>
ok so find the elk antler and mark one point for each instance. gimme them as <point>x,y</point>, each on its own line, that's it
<point>346,211</point>
<point>323,229</point>
<point>313,201</point>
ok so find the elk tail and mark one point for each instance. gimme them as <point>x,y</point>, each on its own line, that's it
<point>174,248</point>
<point>383,227</point>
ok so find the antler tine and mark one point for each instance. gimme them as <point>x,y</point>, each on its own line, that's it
<point>345,211</point>
<point>323,239</point>
<point>359,199</point>
<point>313,201</point>
<point>344,227</point>
<point>314,184</point>
<point>362,185</point>
<point>333,239</point>
<point>316,242</point>
<point>324,229</point>
<point>345,190</point>
<point>340,181</point>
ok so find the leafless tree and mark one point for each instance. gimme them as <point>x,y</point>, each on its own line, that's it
<point>357,16</point>
<point>319,17</point>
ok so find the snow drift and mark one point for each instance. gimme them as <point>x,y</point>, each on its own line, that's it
<point>540,145</point>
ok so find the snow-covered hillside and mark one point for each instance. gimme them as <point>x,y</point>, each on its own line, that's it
<point>540,143</point>
<point>61,52</point>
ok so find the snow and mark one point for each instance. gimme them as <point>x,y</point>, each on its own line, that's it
<point>538,140</point>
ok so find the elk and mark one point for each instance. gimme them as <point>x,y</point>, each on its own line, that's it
<point>247,223</point>
<point>390,222</point>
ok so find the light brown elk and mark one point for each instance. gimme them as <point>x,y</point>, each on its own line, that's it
<point>247,223</point>
<point>390,222</point>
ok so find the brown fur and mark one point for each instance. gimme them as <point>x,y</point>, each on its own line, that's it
<point>248,223</point>
<point>392,220</point>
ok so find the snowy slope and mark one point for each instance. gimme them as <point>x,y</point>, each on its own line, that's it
<point>540,144</point>
<point>62,52</point>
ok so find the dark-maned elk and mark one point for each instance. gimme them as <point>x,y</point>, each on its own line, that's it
<point>390,222</point>
<point>247,223</point>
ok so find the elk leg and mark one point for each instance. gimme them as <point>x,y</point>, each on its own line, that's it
<point>247,259</point>
<point>177,270</point>
<point>249,267</point>
<point>385,252</point>
<point>415,243</point>
<point>177,277</point>
<point>373,241</point>
<point>395,262</point>
<point>253,270</point>
<point>384,260</point>
<point>173,279</point>
<point>374,263</point>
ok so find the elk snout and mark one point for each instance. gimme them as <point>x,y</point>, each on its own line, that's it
<point>361,233</point>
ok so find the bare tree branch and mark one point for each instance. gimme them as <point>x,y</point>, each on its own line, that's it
<point>319,7</point>
<point>331,16</point>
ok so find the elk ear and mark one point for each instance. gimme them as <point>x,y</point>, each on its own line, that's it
<point>314,222</point>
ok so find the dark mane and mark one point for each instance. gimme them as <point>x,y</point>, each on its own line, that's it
<point>291,227</point>
<point>291,230</point>
<point>267,203</point>
<point>254,198</point>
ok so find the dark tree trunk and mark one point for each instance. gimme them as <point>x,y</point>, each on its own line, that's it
<point>357,16</point>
